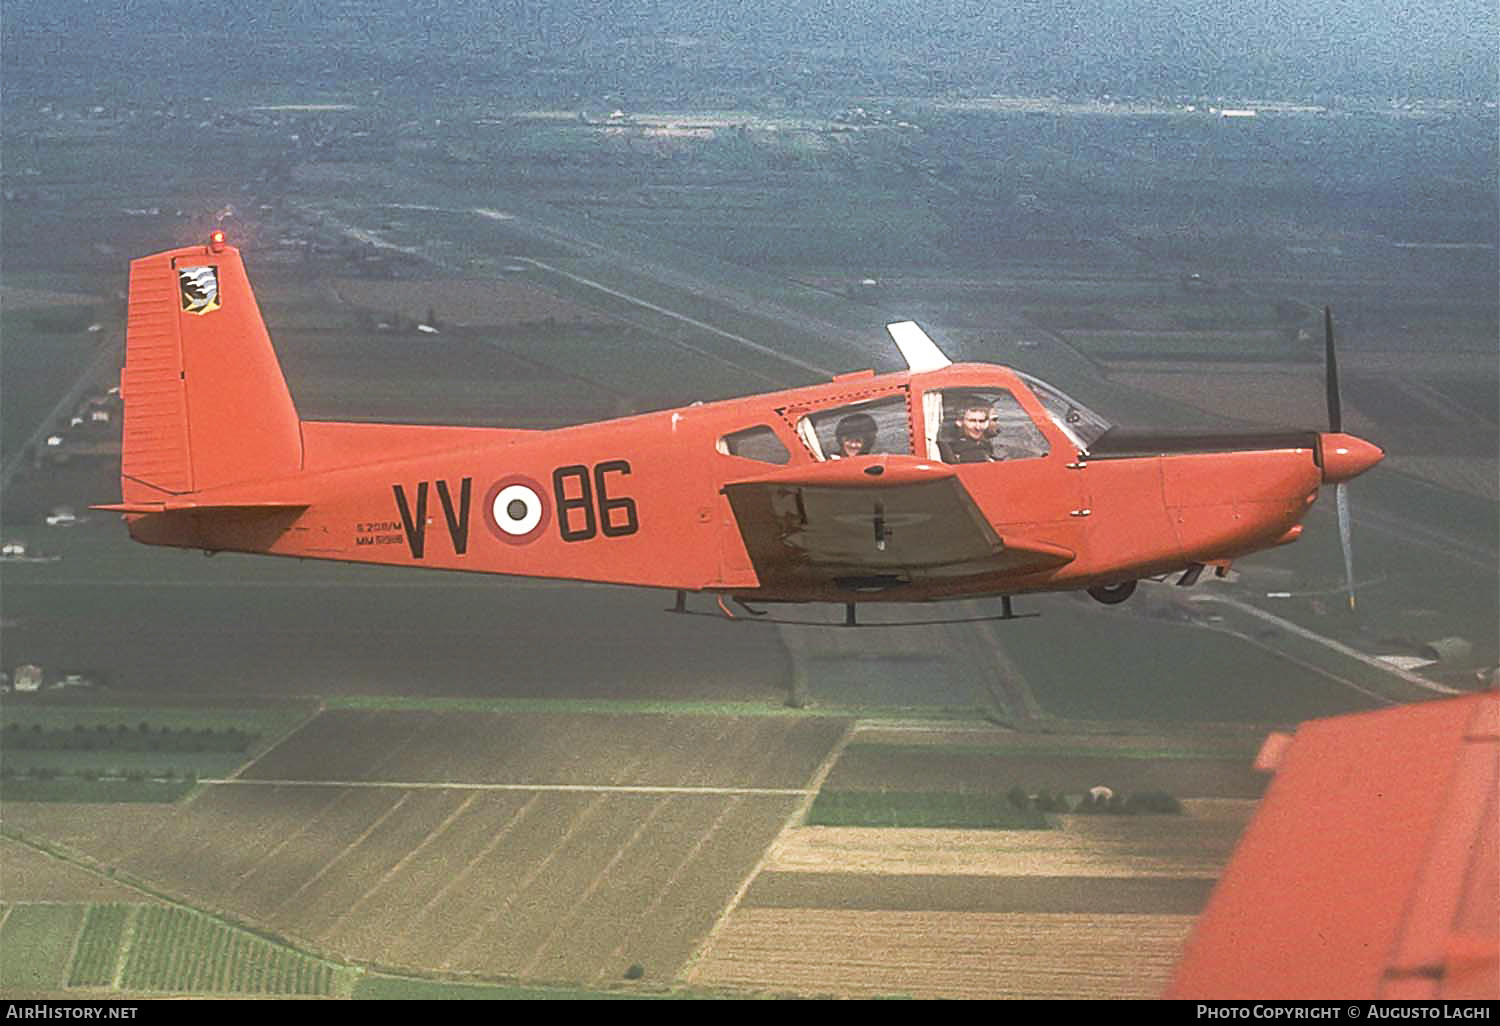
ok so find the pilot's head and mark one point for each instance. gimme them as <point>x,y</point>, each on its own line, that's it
<point>975,423</point>
<point>856,435</point>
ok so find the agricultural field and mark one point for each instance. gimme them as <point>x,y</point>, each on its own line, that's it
<point>943,954</point>
<point>151,949</point>
<point>1424,418</point>
<point>36,942</point>
<point>327,629</point>
<point>1097,907</point>
<point>553,749</point>
<point>1082,905</point>
<point>997,768</point>
<point>486,302</point>
<point>542,847</point>
<point>660,850</point>
<point>507,351</point>
<point>1190,846</point>
<point>950,809</point>
<point>97,954</point>
<point>63,750</point>
<point>375,987</point>
<point>30,875</point>
<point>47,350</point>
<point>178,950</point>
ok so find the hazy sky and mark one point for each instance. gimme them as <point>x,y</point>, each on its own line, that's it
<point>1289,47</point>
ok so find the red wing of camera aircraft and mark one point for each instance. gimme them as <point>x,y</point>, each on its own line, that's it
<point>945,481</point>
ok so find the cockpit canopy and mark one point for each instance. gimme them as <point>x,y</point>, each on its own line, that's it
<point>971,423</point>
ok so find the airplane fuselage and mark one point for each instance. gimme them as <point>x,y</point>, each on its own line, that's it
<point>944,481</point>
<point>640,500</point>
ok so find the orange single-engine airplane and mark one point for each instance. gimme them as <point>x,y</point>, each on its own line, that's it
<point>941,482</point>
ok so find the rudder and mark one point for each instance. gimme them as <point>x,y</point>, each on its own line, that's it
<point>205,400</point>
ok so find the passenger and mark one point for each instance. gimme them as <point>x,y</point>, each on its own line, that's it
<point>855,436</point>
<point>975,429</point>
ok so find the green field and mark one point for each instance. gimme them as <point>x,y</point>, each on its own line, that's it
<point>35,942</point>
<point>59,750</point>
<point>95,960</point>
<point>1081,662</point>
<point>642,706</point>
<point>82,790</point>
<point>267,719</point>
<point>181,951</point>
<point>152,948</point>
<point>120,764</point>
<point>172,950</point>
<point>42,360</point>
<point>1176,748</point>
<point>920,809</point>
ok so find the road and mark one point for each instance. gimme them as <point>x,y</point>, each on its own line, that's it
<point>102,367</point>
<point>1414,679</point>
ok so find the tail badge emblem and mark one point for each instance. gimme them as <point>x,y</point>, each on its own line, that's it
<point>199,287</point>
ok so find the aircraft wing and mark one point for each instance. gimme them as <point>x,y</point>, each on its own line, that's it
<point>874,522</point>
<point>1371,869</point>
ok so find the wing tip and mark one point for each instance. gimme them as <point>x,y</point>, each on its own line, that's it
<point>917,347</point>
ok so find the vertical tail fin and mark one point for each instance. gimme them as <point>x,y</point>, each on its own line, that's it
<point>205,400</point>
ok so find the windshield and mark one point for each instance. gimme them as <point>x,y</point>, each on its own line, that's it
<point>1079,422</point>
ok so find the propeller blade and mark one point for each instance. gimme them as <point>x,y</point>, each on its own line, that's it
<point>1346,540</point>
<point>1331,374</point>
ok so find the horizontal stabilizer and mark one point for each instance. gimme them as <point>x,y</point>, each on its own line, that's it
<point>179,505</point>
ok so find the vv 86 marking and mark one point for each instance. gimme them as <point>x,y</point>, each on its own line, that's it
<point>517,510</point>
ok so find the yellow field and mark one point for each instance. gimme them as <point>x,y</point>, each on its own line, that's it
<point>1197,845</point>
<point>943,954</point>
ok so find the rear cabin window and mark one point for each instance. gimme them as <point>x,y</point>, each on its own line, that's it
<point>881,426</point>
<point>985,426</point>
<point>757,443</point>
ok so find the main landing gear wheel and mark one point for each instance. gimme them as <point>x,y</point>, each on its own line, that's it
<point>1112,594</point>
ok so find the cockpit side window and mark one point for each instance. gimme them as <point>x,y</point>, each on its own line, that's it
<point>757,443</point>
<point>982,426</point>
<point>858,429</point>
<point>1077,421</point>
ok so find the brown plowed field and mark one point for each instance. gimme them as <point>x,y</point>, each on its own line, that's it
<point>28,875</point>
<point>115,828</point>
<point>401,902</point>
<point>538,885</point>
<point>943,954</point>
<point>553,749</point>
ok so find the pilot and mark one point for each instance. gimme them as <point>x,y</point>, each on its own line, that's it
<point>976,426</point>
<point>855,436</point>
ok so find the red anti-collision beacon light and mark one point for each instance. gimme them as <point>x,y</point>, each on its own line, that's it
<point>216,241</point>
